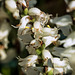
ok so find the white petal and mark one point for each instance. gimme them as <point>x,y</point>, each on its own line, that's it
<point>2,54</point>
<point>69,41</point>
<point>66,30</point>
<point>16,14</point>
<point>48,40</point>
<point>28,61</point>
<point>72,5</point>
<point>46,55</point>
<point>65,52</point>
<point>60,63</point>
<point>11,5</point>
<point>63,21</point>
<point>34,11</point>
<point>49,31</point>
<point>22,2</point>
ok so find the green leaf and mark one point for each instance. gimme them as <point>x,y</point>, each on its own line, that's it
<point>6,71</point>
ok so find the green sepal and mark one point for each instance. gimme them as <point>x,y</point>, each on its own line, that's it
<point>50,72</point>
<point>43,47</point>
<point>39,52</point>
<point>26,11</point>
<point>33,20</point>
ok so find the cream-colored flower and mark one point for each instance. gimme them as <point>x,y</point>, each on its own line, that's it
<point>22,2</point>
<point>3,54</point>
<point>34,11</point>
<point>24,20</point>
<point>71,6</point>
<point>69,41</point>
<point>46,55</point>
<point>30,60</point>
<point>11,5</point>
<point>37,29</point>
<point>64,24</point>
<point>66,30</point>
<point>63,21</point>
<point>58,71</point>
<point>31,49</point>
<point>49,32</point>
<point>24,33</point>
<point>49,39</point>
<point>4,32</point>
<point>64,52</point>
<point>34,44</point>
<point>16,14</point>
<point>39,15</point>
<point>11,54</point>
<point>62,66</point>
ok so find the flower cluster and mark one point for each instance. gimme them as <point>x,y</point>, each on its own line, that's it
<point>35,30</point>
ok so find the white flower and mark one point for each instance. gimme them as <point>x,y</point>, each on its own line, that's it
<point>69,41</point>
<point>31,49</point>
<point>43,18</point>
<point>66,30</point>
<point>34,44</point>
<point>39,15</point>
<point>49,39</point>
<point>49,31</point>
<point>11,54</point>
<point>34,11</point>
<point>58,71</point>
<point>24,33</point>
<point>30,60</point>
<point>22,2</point>
<point>59,63</point>
<point>62,65</point>
<point>11,5</point>
<point>63,21</point>
<point>46,55</point>
<point>65,52</point>
<point>16,14</point>
<point>64,24</point>
<point>37,29</point>
<point>37,26</point>
<point>4,32</point>
<point>48,35</point>
<point>71,6</point>
<point>24,20</point>
<point>3,54</point>
<point>69,53</point>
